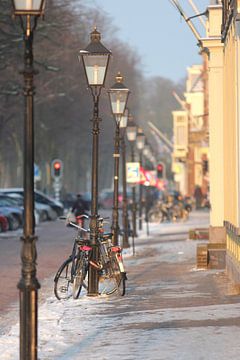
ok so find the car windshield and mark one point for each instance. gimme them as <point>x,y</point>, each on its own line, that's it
<point>17,199</point>
<point>6,202</point>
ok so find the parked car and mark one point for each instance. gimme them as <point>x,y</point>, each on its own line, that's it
<point>13,215</point>
<point>39,197</point>
<point>16,202</point>
<point>42,212</point>
<point>3,223</point>
<point>106,198</point>
<point>88,198</point>
<point>70,199</point>
<point>46,212</point>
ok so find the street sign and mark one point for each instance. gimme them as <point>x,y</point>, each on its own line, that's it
<point>37,173</point>
<point>133,172</point>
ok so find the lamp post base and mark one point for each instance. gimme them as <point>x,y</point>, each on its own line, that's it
<point>28,324</point>
<point>93,275</point>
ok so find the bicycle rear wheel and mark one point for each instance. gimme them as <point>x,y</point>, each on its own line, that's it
<point>80,277</point>
<point>120,277</point>
<point>154,216</point>
<point>107,284</point>
<point>63,282</point>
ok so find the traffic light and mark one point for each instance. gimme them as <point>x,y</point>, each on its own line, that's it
<point>160,170</point>
<point>57,168</point>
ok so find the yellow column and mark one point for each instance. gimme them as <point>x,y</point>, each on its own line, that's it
<point>216,148</point>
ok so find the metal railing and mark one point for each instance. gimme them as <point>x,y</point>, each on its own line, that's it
<point>233,240</point>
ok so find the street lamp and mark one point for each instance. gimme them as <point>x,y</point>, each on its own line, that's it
<point>147,150</point>
<point>28,12</point>
<point>118,95</point>
<point>95,60</point>
<point>140,142</point>
<point>123,126</point>
<point>131,135</point>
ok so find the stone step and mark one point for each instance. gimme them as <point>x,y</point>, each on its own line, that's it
<point>211,256</point>
<point>199,234</point>
<point>202,256</point>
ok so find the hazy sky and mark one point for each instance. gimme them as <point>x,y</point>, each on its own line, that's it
<point>156,30</point>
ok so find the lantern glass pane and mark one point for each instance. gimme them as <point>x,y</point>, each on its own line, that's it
<point>140,142</point>
<point>118,100</point>
<point>131,133</point>
<point>123,121</point>
<point>28,5</point>
<point>95,66</point>
<point>146,151</point>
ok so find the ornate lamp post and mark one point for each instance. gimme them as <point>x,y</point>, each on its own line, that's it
<point>131,135</point>
<point>95,61</point>
<point>123,126</point>
<point>140,142</point>
<point>118,95</point>
<point>28,12</point>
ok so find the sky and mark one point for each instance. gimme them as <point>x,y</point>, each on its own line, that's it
<point>156,30</point>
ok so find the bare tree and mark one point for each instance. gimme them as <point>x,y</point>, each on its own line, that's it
<point>63,106</point>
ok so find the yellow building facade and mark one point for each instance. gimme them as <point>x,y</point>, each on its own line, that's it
<point>222,42</point>
<point>213,46</point>
<point>231,132</point>
<point>190,140</point>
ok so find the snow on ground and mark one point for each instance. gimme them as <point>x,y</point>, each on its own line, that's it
<point>80,329</point>
<point>107,328</point>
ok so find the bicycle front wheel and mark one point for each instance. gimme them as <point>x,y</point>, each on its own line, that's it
<point>79,277</point>
<point>63,282</point>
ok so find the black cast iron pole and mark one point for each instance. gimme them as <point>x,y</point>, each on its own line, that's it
<point>93,275</point>
<point>134,207</point>
<point>124,200</point>
<point>140,195</point>
<point>116,155</point>
<point>28,284</point>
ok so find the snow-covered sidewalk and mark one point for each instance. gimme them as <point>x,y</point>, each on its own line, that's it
<point>151,321</point>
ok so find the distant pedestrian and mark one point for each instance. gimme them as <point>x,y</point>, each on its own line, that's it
<point>198,195</point>
<point>80,206</point>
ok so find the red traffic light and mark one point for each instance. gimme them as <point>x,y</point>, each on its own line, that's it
<point>160,171</point>
<point>57,168</point>
<point>57,165</point>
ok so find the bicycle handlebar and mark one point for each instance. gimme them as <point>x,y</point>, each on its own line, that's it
<point>63,217</point>
<point>100,219</point>
<point>78,227</point>
<point>79,217</point>
<point>83,216</point>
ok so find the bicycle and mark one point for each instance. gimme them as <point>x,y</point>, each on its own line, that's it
<point>66,280</point>
<point>72,277</point>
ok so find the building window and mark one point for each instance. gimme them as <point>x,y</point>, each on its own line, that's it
<point>181,136</point>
